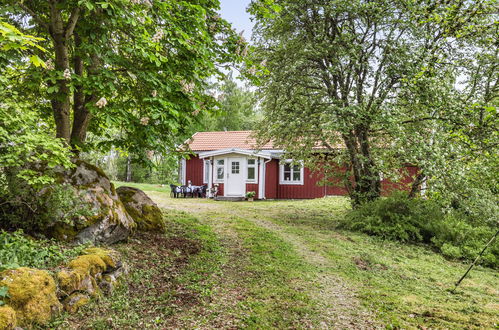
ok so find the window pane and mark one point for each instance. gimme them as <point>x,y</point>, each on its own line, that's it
<point>251,173</point>
<point>287,176</point>
<point>296,175</point>
<point>287,168</point>
<point>251,162</point>
<point>235,167</point>
<point>296,168</point>
<point>220,173</point>
<point>206,170</point>
<point>220,162</point>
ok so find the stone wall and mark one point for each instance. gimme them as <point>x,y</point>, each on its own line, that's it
<point>35,296</point>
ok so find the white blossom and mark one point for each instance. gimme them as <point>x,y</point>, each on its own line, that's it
<point>157,36</point>
<point>154,93</point>
<point>252,70</point>
<point>49,64</point>
<point>67,74</point>
<point>148,3</point>
<point>101,103</point>
<point>144,120</point>
<point>187,87</point>
<point>263,63</point>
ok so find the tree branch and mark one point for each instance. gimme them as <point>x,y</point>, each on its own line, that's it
<point>73,19</point>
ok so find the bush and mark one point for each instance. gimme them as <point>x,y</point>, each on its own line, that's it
<point>423,221</point>
<point>396,217</point>
<point>18,250</point>
<point>36,210</point>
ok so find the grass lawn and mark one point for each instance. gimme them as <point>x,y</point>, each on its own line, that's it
<point>283,264</point>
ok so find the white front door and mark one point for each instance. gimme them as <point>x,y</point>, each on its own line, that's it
<point>235,183</point>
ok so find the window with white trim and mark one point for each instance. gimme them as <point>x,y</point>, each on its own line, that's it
<point>206,171</point>
<point>251,170</point>
<point>219,169</point>
<point>290,173</point>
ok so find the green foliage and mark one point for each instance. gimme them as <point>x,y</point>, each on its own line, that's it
<point>396,217</point>
<point>18,250</point>
<point>134,73</point>
<point>380,84</point>
<point>237,108</point>
<point>38,210</point>
<point>422,221</point>
<point>250,194</point>
<point>25,140</point>
<point>13,40</point>
<point>4,293</point>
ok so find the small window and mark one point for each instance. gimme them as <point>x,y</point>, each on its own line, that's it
<point>251,173</point>
<point>220,169</point>
<point>291,174</point>
<point>206,174</point>
<point>235,167</point>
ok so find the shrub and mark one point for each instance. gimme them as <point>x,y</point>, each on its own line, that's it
<point>396,217</point>
<point>36,210</point>
<point>423,221</point>
<point>18,250</point>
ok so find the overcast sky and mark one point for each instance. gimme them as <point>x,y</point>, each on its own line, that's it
<point>234,11</point>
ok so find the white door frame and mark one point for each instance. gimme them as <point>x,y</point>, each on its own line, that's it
<point>241,182</point>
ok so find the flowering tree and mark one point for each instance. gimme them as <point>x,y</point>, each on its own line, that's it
<point>133,72</point>
<point>373,76</point>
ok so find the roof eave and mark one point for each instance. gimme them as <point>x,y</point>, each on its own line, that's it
<point>247,152</point>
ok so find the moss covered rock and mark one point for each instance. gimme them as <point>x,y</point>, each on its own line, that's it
<point>88,271</point>
<point>109,221</point>
<point>143,210</point>
<point>32,294</point>
<point>76,300</point>
<point>8,318</point>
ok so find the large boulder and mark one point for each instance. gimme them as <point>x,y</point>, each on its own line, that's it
<point>143,210</point>
<point>31,294</point>
<point>109,221</point>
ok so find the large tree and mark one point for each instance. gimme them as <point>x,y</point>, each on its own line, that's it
<point>333,73</point>
<point>139,67</point>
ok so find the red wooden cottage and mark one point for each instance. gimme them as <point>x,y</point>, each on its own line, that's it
<point>231,161</point>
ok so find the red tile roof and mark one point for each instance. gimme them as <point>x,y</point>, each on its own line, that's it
<point>206,141</point>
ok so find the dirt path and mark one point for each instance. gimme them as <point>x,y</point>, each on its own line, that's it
<point>337,301</point>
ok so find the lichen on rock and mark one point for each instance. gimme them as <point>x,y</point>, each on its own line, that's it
<point>109,221</point>
<point>32,294</point>
<point>8,318</point>
<point>143,210</point>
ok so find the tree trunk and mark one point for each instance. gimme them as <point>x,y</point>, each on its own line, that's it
<point>128,169</point>
<point>415,188</point>
<point>61,101</point>
<point>367,184</point>
<point>82,115</point>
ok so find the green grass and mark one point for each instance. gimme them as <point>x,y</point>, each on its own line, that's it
<point>251,271</point>
<point>144,186</point>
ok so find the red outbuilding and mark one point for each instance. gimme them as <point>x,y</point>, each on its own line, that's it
<point>231,161</point>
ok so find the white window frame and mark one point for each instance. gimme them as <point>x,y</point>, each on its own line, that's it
<point>281,173</point>
<point>255,166</point>
<point>206,170</point>
<point>216,166</point>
